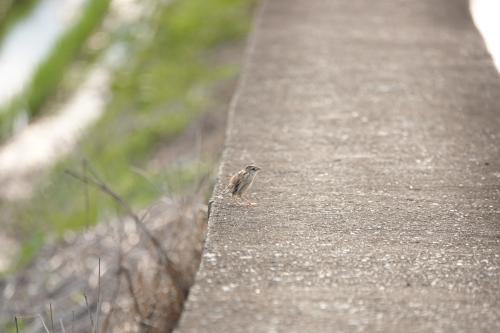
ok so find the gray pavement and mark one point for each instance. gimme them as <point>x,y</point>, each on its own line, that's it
<point>377,125</point>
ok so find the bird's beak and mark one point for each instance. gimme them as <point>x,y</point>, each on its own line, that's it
<point>258,169</point>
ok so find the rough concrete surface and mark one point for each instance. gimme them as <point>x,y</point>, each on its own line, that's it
<point>377,125</point>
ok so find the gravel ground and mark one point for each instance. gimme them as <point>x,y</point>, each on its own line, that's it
<point>377,127</point>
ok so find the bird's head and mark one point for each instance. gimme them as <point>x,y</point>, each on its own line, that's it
<point>252,168</point>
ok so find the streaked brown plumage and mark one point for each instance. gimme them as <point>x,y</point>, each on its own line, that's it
<point>241,182</point>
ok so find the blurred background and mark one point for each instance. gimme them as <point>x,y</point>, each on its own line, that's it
<point>135,91</point>
<point>116,83</point>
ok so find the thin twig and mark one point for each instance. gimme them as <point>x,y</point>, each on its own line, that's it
<point>17,327</point>
<point>146,177</point>
<point>51,318</point>
<point>97,310</point>
<point>93,172</point>
<point>43,323</point>
<point>105,188</point>
<point>118,273</point>
<point>128,278</point>
<point>156,286</point>
<point>90,313</point>
<point>86,196</point>
<point>63,330</point>
<point>73,323</point>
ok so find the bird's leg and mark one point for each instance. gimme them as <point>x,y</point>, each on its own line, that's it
<point>237,199</point>
<point>248,202</point>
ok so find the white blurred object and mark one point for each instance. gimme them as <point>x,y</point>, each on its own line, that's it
<point>486,15</point>
<point>40,144</point>
<point>29,41</point>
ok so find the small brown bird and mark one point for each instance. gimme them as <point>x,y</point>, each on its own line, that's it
<point>241,182</point>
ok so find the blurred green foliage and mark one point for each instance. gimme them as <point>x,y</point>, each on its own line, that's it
<point>50,72</point>
<point>11,327</point>
<point>11,11</point>
<point>166,82</point>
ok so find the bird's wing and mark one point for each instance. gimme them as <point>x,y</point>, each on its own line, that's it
<point>235,181</point>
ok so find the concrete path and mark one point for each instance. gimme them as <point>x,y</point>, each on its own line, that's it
<point>377,125</point>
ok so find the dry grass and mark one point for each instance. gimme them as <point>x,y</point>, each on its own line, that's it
<point>130,275</point>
